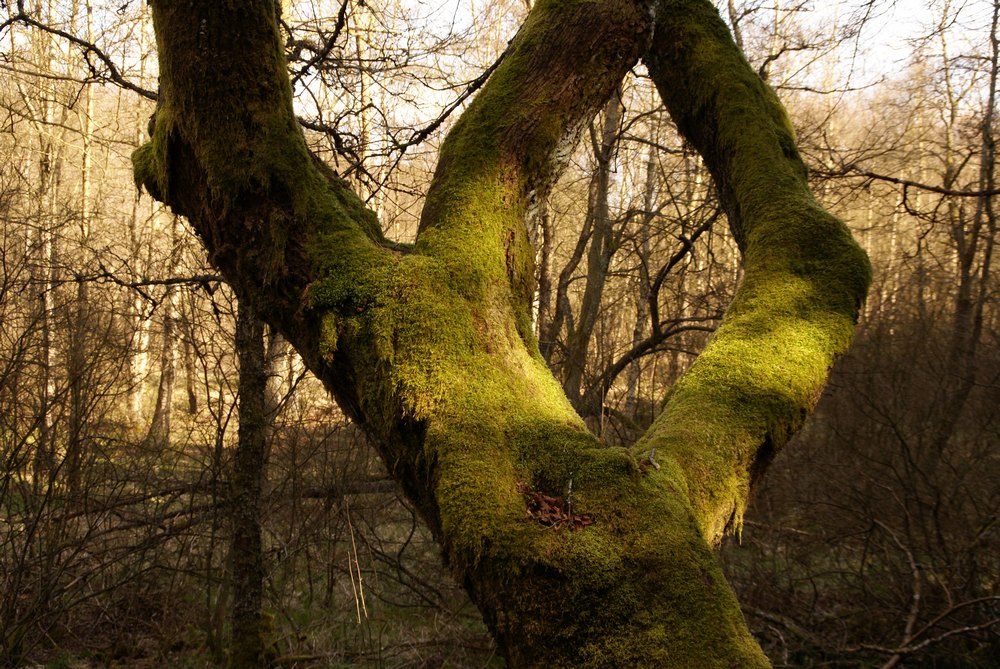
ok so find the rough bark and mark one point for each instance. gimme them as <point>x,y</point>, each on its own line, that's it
<point>431,348</point>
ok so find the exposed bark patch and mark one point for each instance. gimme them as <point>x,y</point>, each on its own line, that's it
<point>554,512</point>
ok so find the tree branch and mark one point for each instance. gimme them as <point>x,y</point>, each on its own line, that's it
<point>855,170</point>
<point>804,280</point>
<point>114,74</point>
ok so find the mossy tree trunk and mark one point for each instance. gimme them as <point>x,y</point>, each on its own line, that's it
<point>804,280</point>
<point>431,348</point>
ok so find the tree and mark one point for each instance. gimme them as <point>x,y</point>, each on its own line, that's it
<point>249,466</point>
<point>869,542</point>
<point>576,554</point>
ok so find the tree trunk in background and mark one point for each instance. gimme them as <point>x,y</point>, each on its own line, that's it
<point>190,386</point>
<point>974,237</point>
<point>432,351</point>
<point>76,380</point>
<point>158,436</point>
<point>159,428</point>
<point>44,275</point>
<point>642,290</point>
<point>543,317</point>
<point>734,21</point>
<point>51,130</point>
<point>246,648</point>
<point>136,304</point>
<point>80,330</point>
<point>598,258</point>
<point>139,326</point>
<point>976,262</point>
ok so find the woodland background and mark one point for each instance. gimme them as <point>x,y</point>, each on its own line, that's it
<point>875,540</point>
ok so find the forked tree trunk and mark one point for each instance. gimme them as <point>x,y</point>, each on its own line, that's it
<point>432,350</point>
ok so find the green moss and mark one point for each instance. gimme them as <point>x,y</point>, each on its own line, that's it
<point>441,329</point>
<point>500,152</point>
<point>145,172</point>
<point>805,277</point>
<point>328,337</point>
<point>432,350</point>
<point>643,542</point>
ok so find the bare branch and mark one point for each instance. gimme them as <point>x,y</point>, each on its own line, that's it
<point>113,75</point>
<point>855,170</point>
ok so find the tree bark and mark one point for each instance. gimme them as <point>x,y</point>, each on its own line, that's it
<point>80,333</point>
<point>246,649</point>
<point>432,349</point>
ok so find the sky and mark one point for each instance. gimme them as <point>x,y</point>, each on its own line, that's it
<point>887,40</point>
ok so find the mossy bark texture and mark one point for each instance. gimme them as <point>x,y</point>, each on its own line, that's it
<point>431,350</point>
<point>805,277</point>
